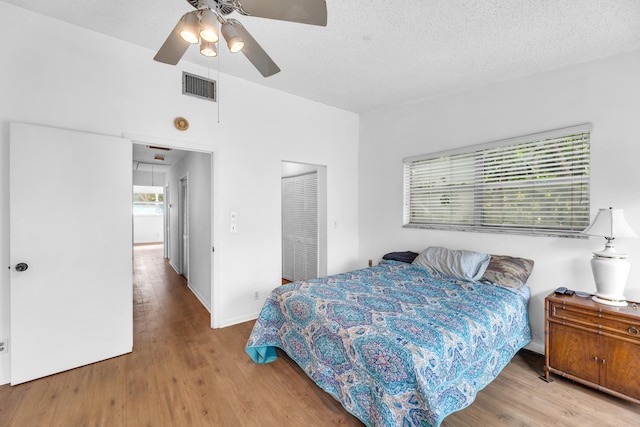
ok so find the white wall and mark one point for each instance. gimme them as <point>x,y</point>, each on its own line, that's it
<point>148,228</point>
<point>147,178</point>
<point>89,82</point>
<point>605,93</point>
<point>197,167</point>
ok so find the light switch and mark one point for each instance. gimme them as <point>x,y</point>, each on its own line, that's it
<point>232,216</point>
<point>234,228</point>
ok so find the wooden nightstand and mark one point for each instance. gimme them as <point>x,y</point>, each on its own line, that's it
<point>594,344</point>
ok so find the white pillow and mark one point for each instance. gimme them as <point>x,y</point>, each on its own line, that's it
<point>460,264</point>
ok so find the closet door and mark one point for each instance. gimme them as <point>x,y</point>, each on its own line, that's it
<point>300,227</point>
<point>299,220</point>
<point>287,228</point>
<point>310,233</point>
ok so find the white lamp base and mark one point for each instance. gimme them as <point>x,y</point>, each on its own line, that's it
<point>617,303</point>
<point>610,275</point>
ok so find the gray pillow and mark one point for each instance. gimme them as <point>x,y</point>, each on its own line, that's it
<point>508,271</point>
<point>460,264</point>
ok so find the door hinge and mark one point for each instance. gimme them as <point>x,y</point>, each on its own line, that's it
<point>213,249</point>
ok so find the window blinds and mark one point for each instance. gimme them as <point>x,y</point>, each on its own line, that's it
<point>537,184</point>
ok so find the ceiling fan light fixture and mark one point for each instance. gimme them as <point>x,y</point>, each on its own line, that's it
<point>234,42</point>
<point>209,26</point>
<point>208,49</point>
<point>189,28</point>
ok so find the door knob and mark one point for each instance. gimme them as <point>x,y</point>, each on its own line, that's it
<point>21,266</point>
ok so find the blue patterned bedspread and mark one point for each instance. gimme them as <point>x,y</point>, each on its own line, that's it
<point>393,344</point>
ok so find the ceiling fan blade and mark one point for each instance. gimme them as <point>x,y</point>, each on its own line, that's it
<point>254,52</point>
<point>312,12</point>
<point>174,47</point>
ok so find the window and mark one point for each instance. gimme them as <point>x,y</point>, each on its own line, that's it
<point>148,200</point>
<point>536,185</point>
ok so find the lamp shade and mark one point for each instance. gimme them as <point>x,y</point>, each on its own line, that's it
<point>610,268</point>
<point>234,42</point>
<point>189,28</point>
<point>610,223</point>
<point>208,49</point>
<point>209,26</point>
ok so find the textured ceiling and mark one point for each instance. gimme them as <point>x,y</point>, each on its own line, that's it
<point>376,53</point>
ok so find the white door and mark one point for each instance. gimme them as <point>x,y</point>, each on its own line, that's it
<point>167,222</point>
<point>288,202</point>
<point>184,226</point>
<point>300,227</point>
<point>71,224</point>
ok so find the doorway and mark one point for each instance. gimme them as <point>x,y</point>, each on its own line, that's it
<point>187,179</point>
<point>304,221</point>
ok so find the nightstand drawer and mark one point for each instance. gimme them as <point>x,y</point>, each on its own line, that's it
<point>604,321</point>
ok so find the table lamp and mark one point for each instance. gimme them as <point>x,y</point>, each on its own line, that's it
<point>610,268</point>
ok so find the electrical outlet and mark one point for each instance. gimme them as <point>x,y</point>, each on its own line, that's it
<point>4,345</point>
<point>256,295</point>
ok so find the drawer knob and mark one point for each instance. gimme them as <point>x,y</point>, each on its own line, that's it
<point>633,330</point>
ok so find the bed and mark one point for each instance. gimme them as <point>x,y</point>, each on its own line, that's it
<point>399,344</point>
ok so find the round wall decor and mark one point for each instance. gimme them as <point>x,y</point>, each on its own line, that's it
<point>181,123</point>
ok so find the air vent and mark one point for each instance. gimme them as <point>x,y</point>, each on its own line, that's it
<point>198,86</point>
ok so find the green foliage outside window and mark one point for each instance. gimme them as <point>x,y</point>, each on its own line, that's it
<point>148,203</point>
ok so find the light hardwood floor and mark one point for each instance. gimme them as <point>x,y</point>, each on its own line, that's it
<point>182,373</point>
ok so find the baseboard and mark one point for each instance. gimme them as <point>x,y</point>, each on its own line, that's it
<point>200,297</point>
<point>5,368</point>
<point>174,267</point>
<point>239,319</point>
<point>535,347</point>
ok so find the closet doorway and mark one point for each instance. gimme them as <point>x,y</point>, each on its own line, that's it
<point>304,221</point>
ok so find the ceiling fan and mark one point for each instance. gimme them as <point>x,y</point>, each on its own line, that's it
<point>201,26</point>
